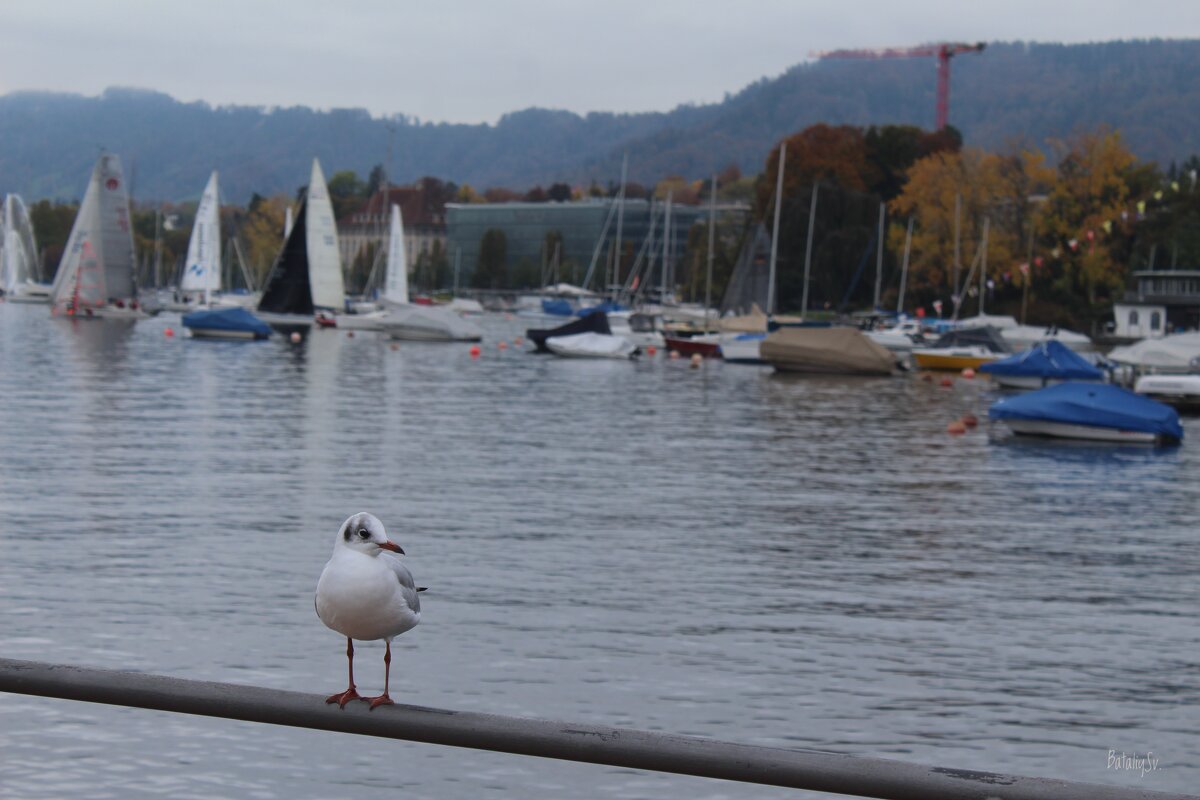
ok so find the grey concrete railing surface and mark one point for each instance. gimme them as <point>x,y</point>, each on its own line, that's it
<point>797,768</point>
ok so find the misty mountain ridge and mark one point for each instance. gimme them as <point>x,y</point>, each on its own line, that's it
<point>1011,93</point>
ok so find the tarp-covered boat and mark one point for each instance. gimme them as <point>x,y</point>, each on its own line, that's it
<point>596,322</point>
<point>1095,411</point>
<point>1044,364</point>
<point>591,345</point>
<point>428,324</point>
<point>226,323</point>
<point>830,350</point>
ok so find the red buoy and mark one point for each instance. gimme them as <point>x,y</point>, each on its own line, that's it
<point>956,428</point>
<point>947,382</point>
<point>651,350</point>
<point>475,351</point>
<point>970,420</point>
<point>168,332</point>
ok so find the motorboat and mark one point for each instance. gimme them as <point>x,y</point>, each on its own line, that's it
<point>1089,411</point>
<point>592,345</point>
<point>742,348</point>
<point>1177,354</point>
<point>420,323</point>
<point>226,323</point>
<point>596,322</point>
<point>643,329</point>
<point>707,345</point>
<point>1180,391</point>
<point>1042,365</point>
<point>825,349</point>
<point>960,349</point>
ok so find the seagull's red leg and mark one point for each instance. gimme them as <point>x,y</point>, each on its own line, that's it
<point>349,694</point>
<point>384,699</point>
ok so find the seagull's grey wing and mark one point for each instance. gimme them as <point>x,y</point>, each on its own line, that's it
<point>408,586</point>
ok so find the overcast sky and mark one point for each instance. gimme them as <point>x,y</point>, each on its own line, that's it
<point>473,60</point>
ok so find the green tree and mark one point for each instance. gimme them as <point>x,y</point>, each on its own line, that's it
<point>491,271</point>
<point>346,192</point>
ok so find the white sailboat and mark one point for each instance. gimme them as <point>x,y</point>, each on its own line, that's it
<point>202,269</point>
<point>95,276</point>
<point>18,256</point>
<point>402,319</point>
<point>307,275</point>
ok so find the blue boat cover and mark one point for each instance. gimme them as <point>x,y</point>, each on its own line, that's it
<point>1050,359</point>
<point>607,306</point>
<point>558,307</point>
<point>227,319</point>
<point>1099,405</point>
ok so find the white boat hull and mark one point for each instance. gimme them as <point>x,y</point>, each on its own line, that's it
<point>1063,430</point>
<point>1180,391</point>
<point>591,345</point>
<point>738,350</point>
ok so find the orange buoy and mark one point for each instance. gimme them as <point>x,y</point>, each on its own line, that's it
<point>518,341</point>
<point>970,420</point>
<point>674,354</point>
<point>349,334</point>
<point>956,428</point>
<point>968,373</point>
<point>947,382</point>
<point>295,337</point>
<point>501,345</point>
<point>475,351</point>
<point>651,350</point>
<point>168,332</point>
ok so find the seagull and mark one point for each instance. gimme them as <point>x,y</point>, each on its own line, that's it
<point>366,594</point>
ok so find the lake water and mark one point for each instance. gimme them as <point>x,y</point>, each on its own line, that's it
<point>718,551</point>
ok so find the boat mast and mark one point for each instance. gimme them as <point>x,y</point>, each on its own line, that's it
<point>879,256</point>
<point>957,243</point>
<point>775,231</point>
<point>712,227</point>
<point>904,267</point>
<point>812,219</point>
<point>620,220</point>
<point>662,291</point>
<point>983,264</point>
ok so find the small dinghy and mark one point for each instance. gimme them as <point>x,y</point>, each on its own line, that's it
<point>592,345</point>
<point>1096,412</point>
<point>226,323</point>
<point>1042,365</point>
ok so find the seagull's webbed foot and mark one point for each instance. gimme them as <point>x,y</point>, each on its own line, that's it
<point>382,700</point>
<point>344,697</point>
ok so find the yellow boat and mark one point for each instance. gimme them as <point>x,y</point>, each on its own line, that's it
<point>953,358</point>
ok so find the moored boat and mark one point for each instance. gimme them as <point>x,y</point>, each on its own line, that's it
<point>824,349</point>
<point>1044,364</point>
<point>232,322</point>
<point>1096,412</point>
<point>592,345</point>
<point>961,349</point>
<point>707,345</point>
<point>596,322</point>
<point>1180,391</point>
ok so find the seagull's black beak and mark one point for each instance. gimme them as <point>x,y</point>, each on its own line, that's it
<point>390,545</point>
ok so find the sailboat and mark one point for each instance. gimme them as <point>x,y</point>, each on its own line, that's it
<point>18,256</point>
<point>202,268</point>
<point>95,276</point>
<point>405,320</point>
<point>307,274</point>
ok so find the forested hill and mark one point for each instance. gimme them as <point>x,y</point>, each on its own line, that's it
<point>1008,93</point>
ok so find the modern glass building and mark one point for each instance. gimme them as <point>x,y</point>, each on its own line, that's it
<point>579,223</point>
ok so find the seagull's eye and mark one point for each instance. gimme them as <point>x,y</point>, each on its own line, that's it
<point>363,534</point>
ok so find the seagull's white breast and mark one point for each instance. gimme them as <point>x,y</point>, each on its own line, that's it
<point>360,597</point>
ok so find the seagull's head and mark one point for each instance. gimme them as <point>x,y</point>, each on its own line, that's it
<point>364,532</point>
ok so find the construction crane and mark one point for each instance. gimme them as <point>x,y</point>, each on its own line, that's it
<point>944,52</point>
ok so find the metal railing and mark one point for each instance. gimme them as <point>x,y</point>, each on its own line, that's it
<point>796,768</point>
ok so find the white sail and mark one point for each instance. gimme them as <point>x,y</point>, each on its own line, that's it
<point>202,270</point>
<point>97,264</point>
<point>395,285</point>
<point>324,261</point>
<point>18,257</point>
